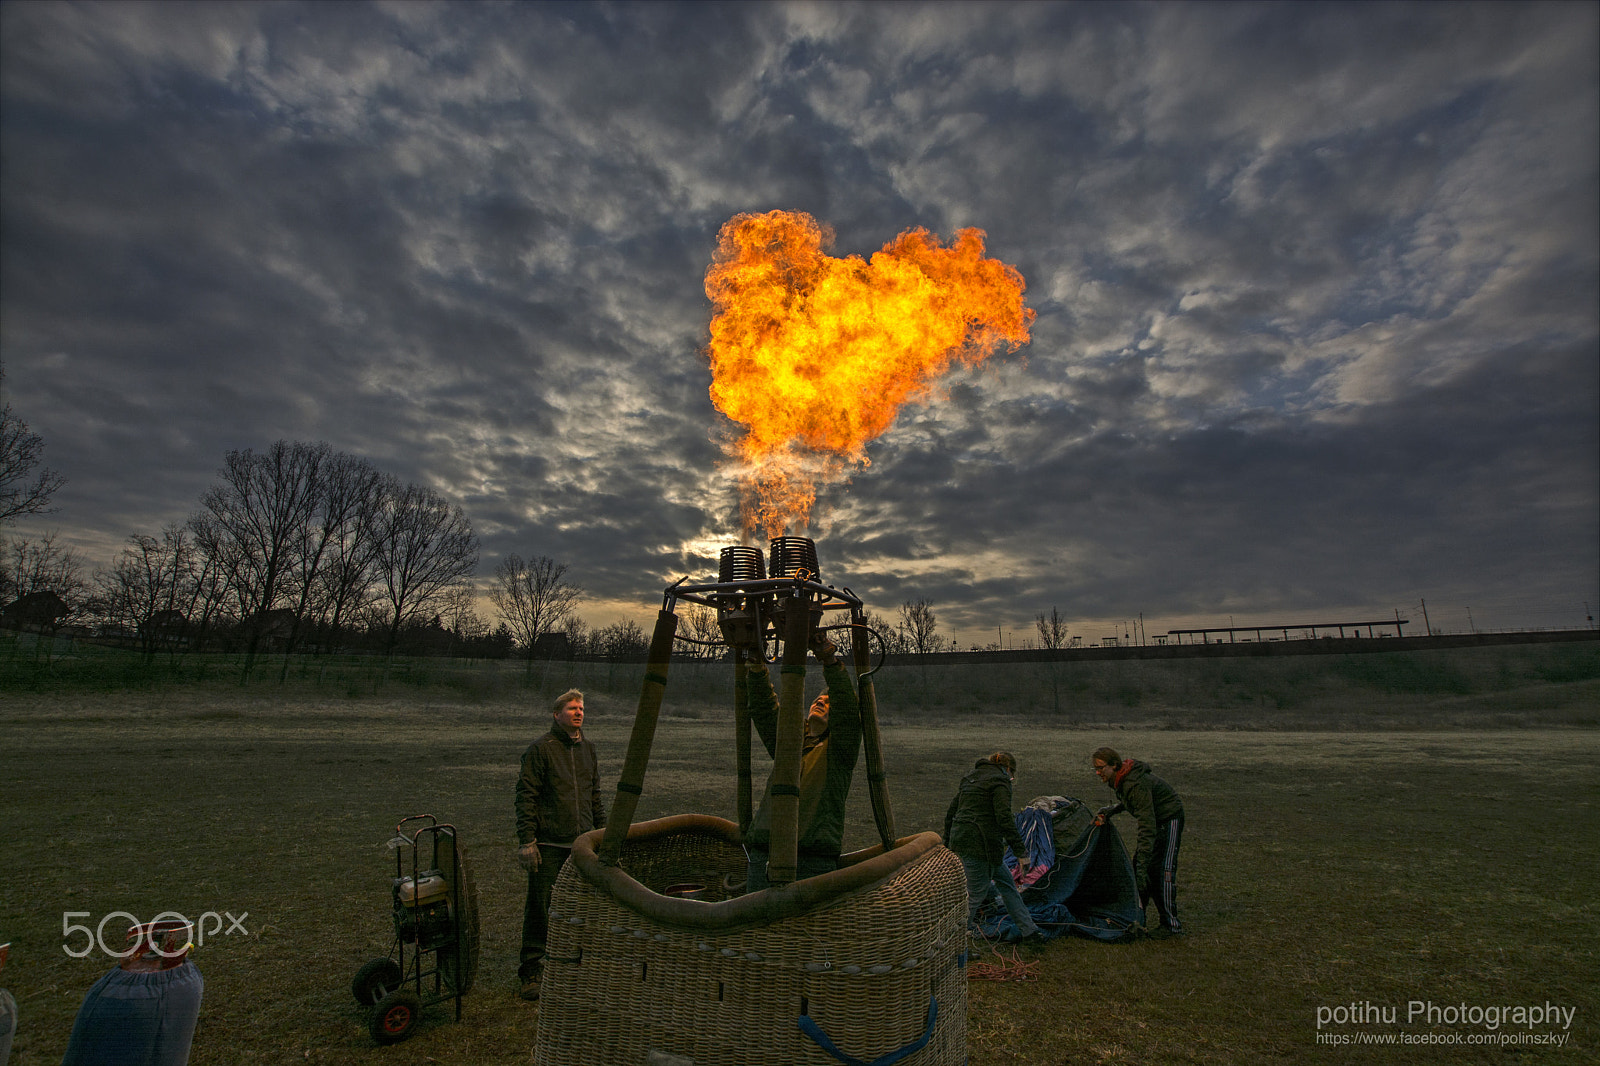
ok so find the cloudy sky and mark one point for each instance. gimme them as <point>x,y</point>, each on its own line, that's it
<point>1316,285</point>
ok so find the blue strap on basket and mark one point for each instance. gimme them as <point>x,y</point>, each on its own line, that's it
<point>814,1031</point>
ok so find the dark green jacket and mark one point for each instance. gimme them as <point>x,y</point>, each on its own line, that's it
<point>979,823</point>
<point>826,765</point>
<point>1150,800</point>
<point>558,792</point>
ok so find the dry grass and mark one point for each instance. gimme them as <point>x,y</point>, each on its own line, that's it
<point>1318,868</point>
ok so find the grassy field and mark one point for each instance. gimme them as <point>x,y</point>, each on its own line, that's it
<point>1492,686</point>
<point>1365,842</point>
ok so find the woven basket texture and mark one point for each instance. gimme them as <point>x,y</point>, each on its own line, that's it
<point>621,989</point>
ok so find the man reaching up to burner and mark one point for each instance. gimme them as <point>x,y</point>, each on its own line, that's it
<point>827,762</point>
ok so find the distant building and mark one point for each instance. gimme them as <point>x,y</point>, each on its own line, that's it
<point>552,646</point>
<point>274,627</point>
<point>1301,631</point>
<point>38,612</point>
<point>167,629</point>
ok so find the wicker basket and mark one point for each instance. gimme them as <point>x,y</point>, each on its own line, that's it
<point>868,959</point>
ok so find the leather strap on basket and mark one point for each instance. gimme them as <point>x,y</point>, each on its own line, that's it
<point>814,1031</point>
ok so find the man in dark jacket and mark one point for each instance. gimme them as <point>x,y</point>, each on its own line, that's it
<point>977,827</point>
<point>1160,815</point>
<point>827,763</point>
<point>558,799</point>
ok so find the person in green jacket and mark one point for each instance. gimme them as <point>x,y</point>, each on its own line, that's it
<point>1159,812</point>
<point>827,762</point>
<point>977,827</point>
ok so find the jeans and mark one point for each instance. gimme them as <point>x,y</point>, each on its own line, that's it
<point>980,875</point>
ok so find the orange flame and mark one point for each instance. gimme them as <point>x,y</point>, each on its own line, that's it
<point>814,356</point>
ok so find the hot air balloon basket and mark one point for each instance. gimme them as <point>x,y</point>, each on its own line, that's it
<point>663,960</point>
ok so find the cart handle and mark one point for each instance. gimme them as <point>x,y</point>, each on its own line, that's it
<point>432,821</point>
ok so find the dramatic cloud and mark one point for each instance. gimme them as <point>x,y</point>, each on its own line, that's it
<point>1317,284</point>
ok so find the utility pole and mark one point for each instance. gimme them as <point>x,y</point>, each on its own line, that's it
<point>1470,623</point>
<point>1425,624</point>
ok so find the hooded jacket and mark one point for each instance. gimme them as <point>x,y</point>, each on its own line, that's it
<point>1150,800</point>
<point>979,823</point>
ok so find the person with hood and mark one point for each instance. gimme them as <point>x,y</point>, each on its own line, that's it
<point>558,800</point>
<point>1159,812</point>
<point>977,827</point>
<point>827,763</point>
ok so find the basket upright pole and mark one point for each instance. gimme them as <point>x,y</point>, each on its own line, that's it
<point>783,853</point>
<point>741,735</point>
<point>872,736</point>
<point>631,784</point>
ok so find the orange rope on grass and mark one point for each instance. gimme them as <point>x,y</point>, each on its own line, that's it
<point>1003,968</point>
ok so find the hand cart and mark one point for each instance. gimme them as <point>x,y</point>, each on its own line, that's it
<point>435,953</point>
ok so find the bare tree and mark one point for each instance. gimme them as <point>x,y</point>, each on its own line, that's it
<point>44,566</point>
<point>1052,630</point>
<point>1053,636</point>
<point>578,636</point>
<point>348,575</point>
<point>424,547</point>
<point>886,632</point>
<point>919,632</point>
<point>620,640</point>
<point>702,627</point>
<point>151,588</point>
<point>534,598</point>
<point>21,490</point>
<point>920,625</point>
<point>461,616</point>
<point>253,524</point>
<point>346,489</point>
<point>210,597</point>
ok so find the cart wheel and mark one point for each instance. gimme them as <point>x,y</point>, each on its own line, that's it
<point>395,1016</point>
<point>376,979</point>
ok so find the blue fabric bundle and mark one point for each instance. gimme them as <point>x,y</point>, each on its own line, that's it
<point>1089,889</point>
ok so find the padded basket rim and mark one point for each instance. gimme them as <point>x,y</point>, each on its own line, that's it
<point>864,870</point>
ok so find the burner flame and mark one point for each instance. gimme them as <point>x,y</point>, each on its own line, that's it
<point>813,356</point>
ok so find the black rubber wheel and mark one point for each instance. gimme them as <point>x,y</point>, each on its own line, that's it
<point>395,1016</point>
<point>376,979</point>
